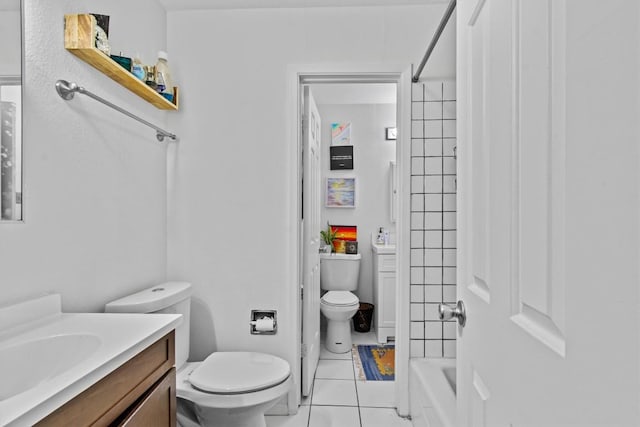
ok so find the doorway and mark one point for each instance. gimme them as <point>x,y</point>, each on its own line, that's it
<point>329,83</point>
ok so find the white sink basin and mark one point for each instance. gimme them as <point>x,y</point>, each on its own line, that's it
<point>48,357</point>
<point>27,364</point>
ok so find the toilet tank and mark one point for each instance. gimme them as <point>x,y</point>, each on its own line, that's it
<point>339,272</point>
<point>168,297</point>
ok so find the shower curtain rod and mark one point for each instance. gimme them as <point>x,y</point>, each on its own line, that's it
<point>434,40</point>
<point>67,90</point>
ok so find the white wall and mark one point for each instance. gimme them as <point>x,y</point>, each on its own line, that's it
<point>372,154</point>
<point>230,201</point>
<point>10,46</point>
<point>95,191</point>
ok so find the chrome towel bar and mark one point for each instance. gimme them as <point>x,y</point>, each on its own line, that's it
<point>67,90</point>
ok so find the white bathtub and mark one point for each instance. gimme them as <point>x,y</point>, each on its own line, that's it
<point>432,385</point>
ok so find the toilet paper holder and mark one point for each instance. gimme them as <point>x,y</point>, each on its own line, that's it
<point>262,316</point>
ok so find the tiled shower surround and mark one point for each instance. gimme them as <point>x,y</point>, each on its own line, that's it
<point>433,217</point>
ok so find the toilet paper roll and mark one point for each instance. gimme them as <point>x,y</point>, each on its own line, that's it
<point>265,324</point>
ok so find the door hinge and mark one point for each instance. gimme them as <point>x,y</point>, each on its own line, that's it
<point>303,350</point>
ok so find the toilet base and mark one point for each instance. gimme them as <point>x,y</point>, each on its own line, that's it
<point>338,339</point>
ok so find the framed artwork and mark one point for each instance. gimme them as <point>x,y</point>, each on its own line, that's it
<point>341,133</point>
<point>341,193</point>
<point>341,157</point>
<point>390,133</point>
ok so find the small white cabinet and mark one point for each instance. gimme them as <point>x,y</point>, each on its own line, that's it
<point>384,291</point>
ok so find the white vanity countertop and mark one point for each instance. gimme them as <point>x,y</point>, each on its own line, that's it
<point>121,336</point>
<point>383,249</point>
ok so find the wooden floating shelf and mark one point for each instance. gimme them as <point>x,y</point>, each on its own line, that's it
<point>79,39</point>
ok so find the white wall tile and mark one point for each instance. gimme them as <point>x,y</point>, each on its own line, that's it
<point>449,293</point>
<point>433,184</point>
<point>447,146</point>
<point>417,147</point>
<point>417,166</point>
<point>433,257</point>
<point>417,202</point>
<point>433,221</point>
<point>417,257</point>
<point>449,184</point>
<point>449,166</point>
<point>417,275</point>
<point>417,220</point>
<point>449,257</point>
<point>433,147</point>
<point>449,202</point>
<point>417,110</point>
<point>416,348</point>
<point>448,128</point>
<point>417,330</point>
<point>417,239</point>
<point>433,110</point>
<point>449,349</point>
<point>417,129</point>
<point>433,293</point>
<point>449,239</point>
<point>433,202</point>
<point>417,92</point>
<point>431,311</point>
<point>433,239</point>
<point>433,275</point>
<point>417,295</point>
<point>449,220</point>
<point>433,348</point>
<point>449,276</point>
<point>433,165</point>
<point>448,110</point>
<point>417,184</point>
<point>449,330</point>
<point>417,312</point>
<point>433,330</point>
<point>434,129</point>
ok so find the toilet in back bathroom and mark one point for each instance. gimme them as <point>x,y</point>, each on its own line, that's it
<point>227,389</point>
<point>339,275</point>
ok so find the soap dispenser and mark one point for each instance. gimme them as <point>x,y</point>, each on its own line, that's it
<point>380,237</point>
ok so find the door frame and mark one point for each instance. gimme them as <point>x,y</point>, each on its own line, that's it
<point>297,75</point>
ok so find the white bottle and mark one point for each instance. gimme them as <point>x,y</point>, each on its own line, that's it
<point>163,73</point>
<point>386,237</point>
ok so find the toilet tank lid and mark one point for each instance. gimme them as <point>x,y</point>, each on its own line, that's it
<point>151,299</point>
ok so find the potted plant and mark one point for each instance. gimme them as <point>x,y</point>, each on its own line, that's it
<point>328,236</point>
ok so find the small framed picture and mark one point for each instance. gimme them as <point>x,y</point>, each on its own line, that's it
<point>341,157</point>
<point>390,133</point>
<point>341,193</point>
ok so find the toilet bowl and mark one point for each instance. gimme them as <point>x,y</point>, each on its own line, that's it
<point>338,307</point>
<point>227,389</point>
<point>339,275</point>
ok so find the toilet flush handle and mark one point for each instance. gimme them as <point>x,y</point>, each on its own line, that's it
<point>448,312</point>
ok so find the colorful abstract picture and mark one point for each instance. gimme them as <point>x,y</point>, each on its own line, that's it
<point>341,133</point>
<point>341,193</point>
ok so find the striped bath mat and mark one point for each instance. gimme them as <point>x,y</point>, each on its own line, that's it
<point>375,362</point>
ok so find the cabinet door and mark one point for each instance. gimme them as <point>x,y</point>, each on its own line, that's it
<point>158,407</point>
<point>387,300</point>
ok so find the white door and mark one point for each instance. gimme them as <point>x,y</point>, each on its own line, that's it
<point>311,241</point>
<point>548,212</point>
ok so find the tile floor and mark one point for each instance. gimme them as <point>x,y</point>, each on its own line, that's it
<point>339,399</point>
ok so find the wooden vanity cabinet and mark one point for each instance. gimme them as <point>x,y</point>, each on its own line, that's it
<point>141,392</point>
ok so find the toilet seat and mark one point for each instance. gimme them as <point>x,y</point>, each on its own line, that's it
<point>185,390</point>
<point>339,299</point>
<point>239,372</point>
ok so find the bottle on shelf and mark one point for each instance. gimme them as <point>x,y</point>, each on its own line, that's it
<point>163,76</point>
<point>137,69</point>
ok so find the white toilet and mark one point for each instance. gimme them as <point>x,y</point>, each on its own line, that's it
<point>227,389</point>
<point>339,275</point>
